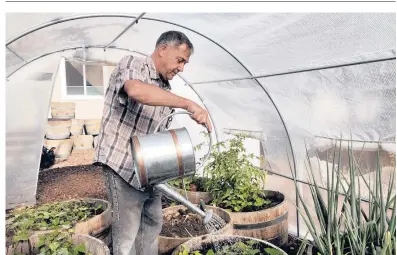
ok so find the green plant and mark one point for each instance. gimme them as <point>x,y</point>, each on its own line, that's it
<point>234,182</point>
<point>59,243</point>
<point>199,181</point>
<point>239,248</point>
<point>61,215</point>
<point>349,228</point>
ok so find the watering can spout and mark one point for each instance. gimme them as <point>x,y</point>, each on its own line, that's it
<point>170,192</point>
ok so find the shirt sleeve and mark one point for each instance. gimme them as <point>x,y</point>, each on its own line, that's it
<point>129,69</point>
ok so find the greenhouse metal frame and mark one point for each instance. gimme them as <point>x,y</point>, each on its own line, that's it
<point>21,59</point>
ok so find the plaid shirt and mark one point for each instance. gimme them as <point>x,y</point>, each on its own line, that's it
<point>123,117</point>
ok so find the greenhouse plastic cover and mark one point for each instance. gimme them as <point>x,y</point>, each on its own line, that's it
<point>318,75</point>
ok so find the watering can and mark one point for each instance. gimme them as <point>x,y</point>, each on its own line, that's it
<point>164,156</point>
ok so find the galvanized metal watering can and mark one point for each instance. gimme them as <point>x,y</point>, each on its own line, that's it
<point>164,156</point>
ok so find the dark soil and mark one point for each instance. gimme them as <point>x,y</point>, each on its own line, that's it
<point>59,184</point>
<point>292,246</point>
<point>181,223</point>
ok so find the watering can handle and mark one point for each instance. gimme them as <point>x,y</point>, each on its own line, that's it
<point>185,112</point>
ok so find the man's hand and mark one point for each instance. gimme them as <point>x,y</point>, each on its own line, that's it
<point>199,114</point>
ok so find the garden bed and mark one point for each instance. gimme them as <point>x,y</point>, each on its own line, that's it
<point>183,224</point>
<point>73,178</point>
<point>23,222</point>
<point>71,182</point>
<point>227,245</point>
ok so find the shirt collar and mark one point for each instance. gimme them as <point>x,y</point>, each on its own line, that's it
<point>152,68</point>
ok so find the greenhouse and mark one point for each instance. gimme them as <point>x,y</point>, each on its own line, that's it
<point>307,99</point>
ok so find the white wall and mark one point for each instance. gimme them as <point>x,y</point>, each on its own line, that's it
<point>86,107</point>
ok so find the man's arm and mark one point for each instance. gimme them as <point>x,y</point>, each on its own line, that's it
<point>152,95</point>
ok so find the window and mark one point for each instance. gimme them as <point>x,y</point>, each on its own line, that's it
<point>84,79</point>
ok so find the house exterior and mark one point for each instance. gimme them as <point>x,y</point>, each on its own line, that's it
<point>83,85</point>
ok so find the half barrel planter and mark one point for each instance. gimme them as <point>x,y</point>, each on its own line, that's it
<point>92,126</point>
<point>63,148</point>
<point>214,242</point>
<point>58,129</point>
<point>168,244</point>
<point>98,227</point>
<point>82,142</point>
<point>77,127</point>
<point>269,224</point>
<point>63,110</point>
<point>195,196</point>
<point>92,245</point>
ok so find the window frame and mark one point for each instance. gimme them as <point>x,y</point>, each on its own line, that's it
<point>64,94</point>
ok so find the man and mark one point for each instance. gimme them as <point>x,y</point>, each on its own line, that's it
<point>136,100</point>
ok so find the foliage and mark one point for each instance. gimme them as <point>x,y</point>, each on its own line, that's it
<point>251,247</point>
<point>60,215</point>
<point>59,243</point>
<point>233,181</point>
<point>350,228</point>
<point>199,181</point>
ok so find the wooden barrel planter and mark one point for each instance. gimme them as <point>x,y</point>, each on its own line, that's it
<point>168,244</point>
<point>92,126</point>
<point>63,110</point>
<point>63,148</point>
<point>77,127</point>
<point>195,196</point>
<point>205,243</point>
<point>58,129</point>
<point>92,245</point>
<point>269,224</point>
<point>83,142</point>
<point>98,226</point>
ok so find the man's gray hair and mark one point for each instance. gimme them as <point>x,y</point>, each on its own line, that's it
<point>175,38</point>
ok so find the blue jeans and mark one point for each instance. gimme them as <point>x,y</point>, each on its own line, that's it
<point>137,217</point>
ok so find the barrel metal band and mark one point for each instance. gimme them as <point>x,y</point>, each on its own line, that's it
<point>141,165</point>
<point>178,152</point>
<point>261,224</point>
<point>281,239</point>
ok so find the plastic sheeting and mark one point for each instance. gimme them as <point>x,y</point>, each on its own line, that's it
<point>27,103</point>
<point>264,43</point>
<point>327,74</point>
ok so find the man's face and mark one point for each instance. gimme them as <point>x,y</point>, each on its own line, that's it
<point>173,59</point>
